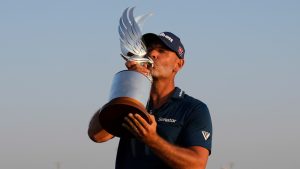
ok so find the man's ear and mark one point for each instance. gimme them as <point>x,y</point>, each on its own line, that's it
<point>179,65</point>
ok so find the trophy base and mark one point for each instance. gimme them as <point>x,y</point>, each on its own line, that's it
<point>113,113</point>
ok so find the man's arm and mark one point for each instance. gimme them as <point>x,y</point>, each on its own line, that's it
<point>194,157</point>
<point>96,132</point>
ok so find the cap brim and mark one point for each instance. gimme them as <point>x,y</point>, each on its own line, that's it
<point>148,38</point>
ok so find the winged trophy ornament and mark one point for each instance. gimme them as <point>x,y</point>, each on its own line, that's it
<point>132,46</point>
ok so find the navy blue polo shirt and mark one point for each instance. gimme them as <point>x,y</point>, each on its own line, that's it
<point>183,121</point>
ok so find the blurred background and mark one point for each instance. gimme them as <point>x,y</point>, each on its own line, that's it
<point>57,60</point>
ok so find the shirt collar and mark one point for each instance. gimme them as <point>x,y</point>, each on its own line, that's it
<point>178,93</point>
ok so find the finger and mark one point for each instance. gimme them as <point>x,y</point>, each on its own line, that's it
<point>138,125</point>
<point>132,65</point>
<point>131,125</point>
<point>142,69</point>
<point>141,120</point>
<point>129,129</point>
<point>145,64</point>
<point>151,119</point>
<point>129,64</point>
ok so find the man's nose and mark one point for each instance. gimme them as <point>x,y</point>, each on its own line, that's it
<point>153,54</point>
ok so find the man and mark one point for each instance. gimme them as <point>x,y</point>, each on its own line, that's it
<point>180,132</point>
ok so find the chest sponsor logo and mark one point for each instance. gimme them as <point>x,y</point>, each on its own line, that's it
<point>167,120</point>
<point>205,134</point>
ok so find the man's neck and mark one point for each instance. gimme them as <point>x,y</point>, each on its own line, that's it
<point>160,92</point>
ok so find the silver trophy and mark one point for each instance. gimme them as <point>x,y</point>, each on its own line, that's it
<point>130,90</point>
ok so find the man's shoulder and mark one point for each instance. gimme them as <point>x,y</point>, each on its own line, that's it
<point>194,108</point>
<point>192,101</point>
<point>188,104</point>
<point>184,97</point>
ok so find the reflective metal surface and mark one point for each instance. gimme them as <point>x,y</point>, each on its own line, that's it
<point>131,84</point>
<point>132,46</point>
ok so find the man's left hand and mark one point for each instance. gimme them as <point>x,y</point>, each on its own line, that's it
<point>140,128</point>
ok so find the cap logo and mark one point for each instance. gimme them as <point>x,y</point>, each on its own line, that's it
<point>180,50</point>
<point>166,36</point>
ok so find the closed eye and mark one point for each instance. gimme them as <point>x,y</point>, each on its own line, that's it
<point>158,49</point>
<point>161,50</point>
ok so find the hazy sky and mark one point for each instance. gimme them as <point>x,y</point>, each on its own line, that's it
<point>58,57</point>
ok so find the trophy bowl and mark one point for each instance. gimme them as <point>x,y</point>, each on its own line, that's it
<point>129,94</point>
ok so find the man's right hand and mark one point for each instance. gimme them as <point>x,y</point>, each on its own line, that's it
<point>142,68</point>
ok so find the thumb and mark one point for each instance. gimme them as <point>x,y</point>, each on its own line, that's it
<point>152,118</point>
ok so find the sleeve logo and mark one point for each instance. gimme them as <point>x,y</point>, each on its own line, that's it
<point>205,134</point>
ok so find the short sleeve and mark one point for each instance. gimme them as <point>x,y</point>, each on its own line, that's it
<point>197,129</point>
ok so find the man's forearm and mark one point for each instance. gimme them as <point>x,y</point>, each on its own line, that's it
<point>178,157</point>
